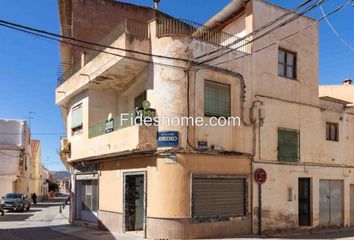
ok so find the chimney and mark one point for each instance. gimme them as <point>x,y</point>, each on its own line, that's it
<point>156,4</point>
<point>347,81</point>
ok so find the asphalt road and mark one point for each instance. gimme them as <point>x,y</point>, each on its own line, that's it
<point>33,224</point>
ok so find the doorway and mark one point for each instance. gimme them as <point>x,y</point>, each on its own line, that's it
<point>331,202</point>
<point>87,200</point>
<point>134,201</point>
<point>351,205</point>
<point>304,201</point>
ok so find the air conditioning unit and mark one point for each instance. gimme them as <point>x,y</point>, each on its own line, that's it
<point>64,145</point>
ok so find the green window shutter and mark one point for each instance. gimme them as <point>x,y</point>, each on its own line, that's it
<point>217,99</point>
<point>76,117</point>
<point>288,145</point>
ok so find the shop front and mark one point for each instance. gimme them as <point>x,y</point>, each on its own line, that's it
<point>86,194</point>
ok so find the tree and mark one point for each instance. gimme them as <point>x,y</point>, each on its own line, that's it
<point>53,187</point>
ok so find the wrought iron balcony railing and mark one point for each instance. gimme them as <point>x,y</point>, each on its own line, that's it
<point>170,26</point>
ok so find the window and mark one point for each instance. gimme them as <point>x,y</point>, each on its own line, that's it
<point>287,64</point>
<point>217,100</point>
<point>331,131</point>
<point>288,145</point>
<point>138,101</point>
<point>218,197</point>
<point>76,118</point>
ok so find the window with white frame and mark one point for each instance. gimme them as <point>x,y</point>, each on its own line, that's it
<point>76,118</point>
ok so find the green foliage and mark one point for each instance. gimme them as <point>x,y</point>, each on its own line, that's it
<point>53,187</point>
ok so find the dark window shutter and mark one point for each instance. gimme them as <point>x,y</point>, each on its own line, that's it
<point>219,196</point>
<point>288,145</point>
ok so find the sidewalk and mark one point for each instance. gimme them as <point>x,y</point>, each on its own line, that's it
<point>61,224</point>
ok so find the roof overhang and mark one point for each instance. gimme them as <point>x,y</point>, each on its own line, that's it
<point>335,100</point>
<point>231,10</point>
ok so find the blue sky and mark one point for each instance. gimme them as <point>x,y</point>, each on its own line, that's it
<point>28,65</point>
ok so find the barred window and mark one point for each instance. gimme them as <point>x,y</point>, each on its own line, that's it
<point>217,99</point>
<point>287,64</point>
<point>288,145</point>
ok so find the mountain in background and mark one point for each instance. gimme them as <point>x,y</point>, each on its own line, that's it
<point>60,175</point>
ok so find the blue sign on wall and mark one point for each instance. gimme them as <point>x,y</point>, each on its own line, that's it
<point>168,139</point>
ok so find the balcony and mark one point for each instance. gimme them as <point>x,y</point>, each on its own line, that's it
<point>114,68</point>
<point>125,140</point>
<point>181,27</point>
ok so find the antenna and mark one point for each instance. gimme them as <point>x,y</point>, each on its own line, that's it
<point>30,118</point>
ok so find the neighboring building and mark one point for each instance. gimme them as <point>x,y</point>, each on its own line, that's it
<point>342,91</point>
<point>37,175</point>
<point>15,156</point>
<point>64,186</point>
<point>45,181</point>
<point>125,180</point>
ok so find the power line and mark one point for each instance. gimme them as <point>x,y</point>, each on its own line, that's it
<point>335,32</point>
<point>257,30</point>
<point>54,36</point>
<point>267,32</point>
<point>43,33</point>
<point>341,7</point>
<point>86,47</point>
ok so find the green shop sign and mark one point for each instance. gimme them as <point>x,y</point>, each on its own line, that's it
<point>145,114</point>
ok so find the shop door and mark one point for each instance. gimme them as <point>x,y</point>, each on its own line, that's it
<point>87,200</point>
<point>331,202</point>
<point>304,201</point>
<point>134,202</point>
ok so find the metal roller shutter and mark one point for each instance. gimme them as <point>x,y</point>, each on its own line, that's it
<point>214,196</point>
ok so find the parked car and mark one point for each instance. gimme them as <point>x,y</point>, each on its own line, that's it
<point>16,202</point>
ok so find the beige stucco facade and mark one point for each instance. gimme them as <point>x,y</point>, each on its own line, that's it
<point>38,176</point>
<point>15,154</point>
<point>264,102</point>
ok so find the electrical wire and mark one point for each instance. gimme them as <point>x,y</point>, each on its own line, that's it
<point>335,32</point>
<point>54,35</point>
<point>290,35</point>
<point>258,30</point>
<point>267,32</point>
<point>86,47</point>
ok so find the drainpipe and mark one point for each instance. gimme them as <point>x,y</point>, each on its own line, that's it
<point>253,123</point>
<point>259,209</point>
